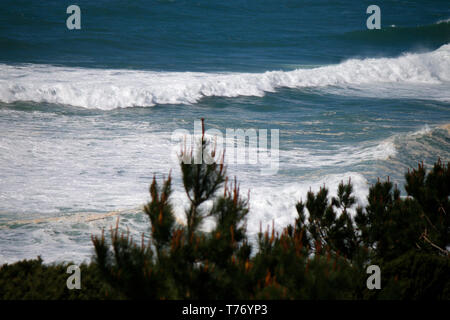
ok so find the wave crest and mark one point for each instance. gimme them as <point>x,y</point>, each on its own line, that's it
<point>109,89</point>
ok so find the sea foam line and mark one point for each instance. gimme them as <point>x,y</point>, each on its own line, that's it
<point>78,217</point>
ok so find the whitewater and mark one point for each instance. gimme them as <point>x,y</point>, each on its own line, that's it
<point>427,75</point>
<point>87,116</point>
<point>58,195</point>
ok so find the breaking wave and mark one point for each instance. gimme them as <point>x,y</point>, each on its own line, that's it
<point>109,89</point>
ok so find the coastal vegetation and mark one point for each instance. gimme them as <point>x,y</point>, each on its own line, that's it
<point>323,254</point>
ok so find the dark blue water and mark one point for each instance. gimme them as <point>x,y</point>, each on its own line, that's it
<point>214,35</point>
<point>87,116</point>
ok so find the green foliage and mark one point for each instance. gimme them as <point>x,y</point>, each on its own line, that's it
<point>409,237</point>
<point>392,225</point>
<point>414,275</point>
<point>329,222</point>
<point>33,280</point>
<point>431,191</point>
<point>160,213</point>
<point>284,265</point>
<point>202,177</point>
<point>322,255</point>
<point>190,264</point>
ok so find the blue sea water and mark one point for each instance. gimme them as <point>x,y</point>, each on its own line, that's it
<point>86,116</point>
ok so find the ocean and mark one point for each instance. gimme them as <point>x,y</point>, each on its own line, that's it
<point>87,116</point>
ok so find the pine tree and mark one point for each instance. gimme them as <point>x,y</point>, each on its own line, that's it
<point>329,223</point>
<point>322,255</point>
<point>188,263</point>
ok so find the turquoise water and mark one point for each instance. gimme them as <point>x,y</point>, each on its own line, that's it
<point>87,115</point>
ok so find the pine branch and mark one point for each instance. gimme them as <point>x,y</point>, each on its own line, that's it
<point>425,237</point>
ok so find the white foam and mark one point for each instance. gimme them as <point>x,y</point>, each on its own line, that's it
<point>109,89</point>
<point>69,239</point>
<point>443,21</point>
<point>342,155</point>
<point>421,132</point>
<point>277,203</point>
